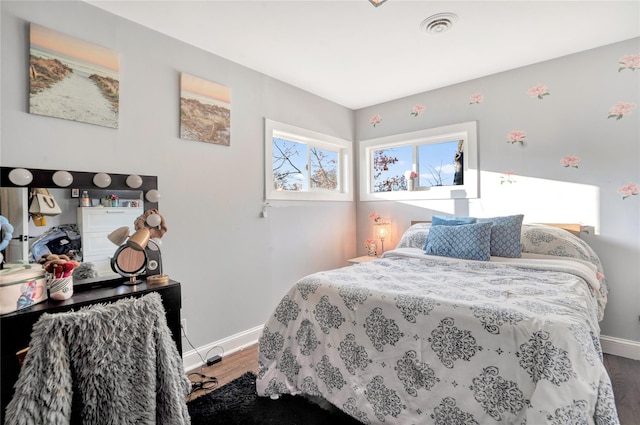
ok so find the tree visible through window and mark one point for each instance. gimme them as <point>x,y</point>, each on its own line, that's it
<point>298,166</point>
<point>304,165</point>
<point>434,163</point>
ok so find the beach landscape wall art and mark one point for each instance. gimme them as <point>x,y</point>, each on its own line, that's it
<point>205,111</point>
<point>72,79</point>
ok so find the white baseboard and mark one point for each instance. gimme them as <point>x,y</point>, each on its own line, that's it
<point>620,347</point>
<point>231,344</point>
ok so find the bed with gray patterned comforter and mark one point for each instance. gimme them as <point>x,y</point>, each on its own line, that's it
<point>418,339</point>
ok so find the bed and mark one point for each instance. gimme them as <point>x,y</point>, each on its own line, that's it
<point>415,338</point>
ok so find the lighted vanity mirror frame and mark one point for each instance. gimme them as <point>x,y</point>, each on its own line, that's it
<point>43,178</point>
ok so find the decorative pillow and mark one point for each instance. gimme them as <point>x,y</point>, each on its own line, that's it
<point>548,240</point>
<point>415,236</point>
<point>468,241</point>
<point>440,220</point>
<point>505,235</point>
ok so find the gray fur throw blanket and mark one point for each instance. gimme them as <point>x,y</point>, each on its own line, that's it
<point>104,364</point>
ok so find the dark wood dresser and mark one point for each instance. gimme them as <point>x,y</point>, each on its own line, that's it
<point>15,328</point>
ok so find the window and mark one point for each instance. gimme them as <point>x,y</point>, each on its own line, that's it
<point>304,165</point>
<point>438,163</point>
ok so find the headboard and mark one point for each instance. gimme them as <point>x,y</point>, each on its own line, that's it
<point>574,228</point>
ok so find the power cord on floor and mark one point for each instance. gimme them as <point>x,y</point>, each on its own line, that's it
<point>205,382</point>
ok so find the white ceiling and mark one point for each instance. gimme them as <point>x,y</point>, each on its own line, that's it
<point>357,55</point>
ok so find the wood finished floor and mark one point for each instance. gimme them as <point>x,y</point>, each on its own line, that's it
<point>624,374</point>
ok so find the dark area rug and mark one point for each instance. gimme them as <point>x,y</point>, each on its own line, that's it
<point>238,404</point>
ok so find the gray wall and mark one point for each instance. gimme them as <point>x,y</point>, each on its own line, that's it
<point>572,120</point>
<point>234,265</point>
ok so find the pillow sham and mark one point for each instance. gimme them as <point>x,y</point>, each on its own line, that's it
<point>548,240</point>
<point>505,235</point>
<point>441,220</point>
<point>467,241</point>
<point>415,236</point>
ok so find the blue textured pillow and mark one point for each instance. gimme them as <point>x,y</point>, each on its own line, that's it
<point>440,220</point>
<point>469,241</point>
<point>505,235</point>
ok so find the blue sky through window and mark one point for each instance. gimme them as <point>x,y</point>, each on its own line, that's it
<point>435,164</point>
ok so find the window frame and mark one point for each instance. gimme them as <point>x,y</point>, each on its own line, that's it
<point>466,131</point>
<point>343,147</point>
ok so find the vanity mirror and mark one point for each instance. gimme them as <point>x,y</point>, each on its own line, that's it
<point>129,195</point>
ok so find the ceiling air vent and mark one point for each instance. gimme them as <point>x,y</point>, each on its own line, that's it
<point>438,23</point>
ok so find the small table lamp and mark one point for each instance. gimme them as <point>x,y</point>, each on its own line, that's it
<point>382,231</point>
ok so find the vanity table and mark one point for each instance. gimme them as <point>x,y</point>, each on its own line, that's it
<point>16,327</point>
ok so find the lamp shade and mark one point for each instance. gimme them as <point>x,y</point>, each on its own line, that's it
<point>118,236</point>
<point>139,239</point>
<point>382,229</point>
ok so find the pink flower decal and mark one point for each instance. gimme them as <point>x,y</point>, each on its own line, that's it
<point>476,98</point>
<point>570,161</point>
<point>538,91</point>
<point>375,217</point>
<point>629,189</point>
<point>516,136</point>
<point>376,119</point>
<point>417,110</point>
<point>507,177</point>
<point>631,62</point>
<point>621,109</point>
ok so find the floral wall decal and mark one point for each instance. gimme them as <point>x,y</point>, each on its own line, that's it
<point>629,189</point>
<point>539,91</point>
<point>375,120</point>
<point>507,177</point>
<point>417,110</point>
<point>631,62</point>
<point>621,109</point>
<point>516,136</point>
<point>476,98</point>
<point>570,161</point>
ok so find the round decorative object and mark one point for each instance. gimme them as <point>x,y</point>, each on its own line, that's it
<point>129,262</point>
<point>20,176</point>
<point>102,180</point>
<point>62,178</point>
<point>154,220</point>
<point>438,23</point>
<point>134,181</point>
<point>153,196</point>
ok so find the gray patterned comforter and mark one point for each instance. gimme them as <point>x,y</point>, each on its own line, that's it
<point>416,339</point>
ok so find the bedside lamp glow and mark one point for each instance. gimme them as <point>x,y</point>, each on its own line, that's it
<point>382,231</point>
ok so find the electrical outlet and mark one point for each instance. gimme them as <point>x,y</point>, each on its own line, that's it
<point>183,325</point>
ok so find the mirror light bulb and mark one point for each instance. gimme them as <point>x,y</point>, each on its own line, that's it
<point>154,220</point>
<point>134,181</point>
<point>20,176</point>
<point>102,180</point>
<point>153,196</point>
<point>62,178</point>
